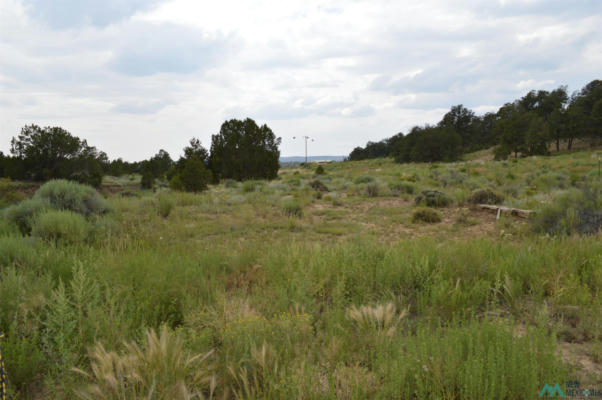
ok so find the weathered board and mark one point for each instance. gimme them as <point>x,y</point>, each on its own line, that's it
<point>513,211</point>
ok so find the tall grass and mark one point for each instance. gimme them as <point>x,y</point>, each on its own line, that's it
<point>15,249</point>
<point>337,304</point>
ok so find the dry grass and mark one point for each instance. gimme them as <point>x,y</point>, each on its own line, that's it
<point>161,369</point>
<point>383,318</point>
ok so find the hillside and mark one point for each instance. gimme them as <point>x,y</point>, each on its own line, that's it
<point>320,286</point>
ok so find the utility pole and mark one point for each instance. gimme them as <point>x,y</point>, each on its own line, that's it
<point>306,139</point>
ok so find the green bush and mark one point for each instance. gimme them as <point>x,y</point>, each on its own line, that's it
<point>320,170</point>
<point>61,225</point>
<point>16,250</point>
<point>147,181</point>
<point>433,198</point>
<point>176,183</point>
<point>428,215</point>
<point>195,176</point>
<point>316,184</point>
<point>23,214</point>
<point>292,208</point>
<point>402,188</point>
<point>485,196</point>
<point>73,196</point>
<point>363,179</point>
<point>164,205</point>
<point>576,211</point>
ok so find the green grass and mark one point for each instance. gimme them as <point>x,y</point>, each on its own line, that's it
<point>262,290</point>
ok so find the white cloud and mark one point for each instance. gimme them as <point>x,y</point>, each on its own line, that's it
<point>134,77</point>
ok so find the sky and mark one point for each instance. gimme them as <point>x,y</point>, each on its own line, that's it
<point>135,76</point>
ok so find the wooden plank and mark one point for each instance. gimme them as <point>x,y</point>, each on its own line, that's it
<point>513,211</point>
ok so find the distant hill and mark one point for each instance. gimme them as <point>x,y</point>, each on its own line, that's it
<point>311,159</point>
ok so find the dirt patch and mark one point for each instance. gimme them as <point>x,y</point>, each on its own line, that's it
<point>19,190</point>
<point>113,189</point>
<point>579,356</point>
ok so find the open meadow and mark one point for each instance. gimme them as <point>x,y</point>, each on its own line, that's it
<point>315,285</point>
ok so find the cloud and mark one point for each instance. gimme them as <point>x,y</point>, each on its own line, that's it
<point>65,14</point>
<point>151,48</point>
<point>140,107</point>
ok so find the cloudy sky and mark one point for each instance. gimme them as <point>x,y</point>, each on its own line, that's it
<point>134,76</point>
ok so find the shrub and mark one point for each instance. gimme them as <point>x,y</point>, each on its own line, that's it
<point>73,196</point>
<point>485,196</point>
<point>160,369</point>
<point>433,198</point>
<point>363,179</point>
<point>176,183</point>
<point>164,205</point>
<point>402,188</point>
<point>230,183</point>
<point>292,208</point>
<point>316,184</point>
<point>195,177</point>
<point>576,211</point>
<point>428,215</point>
<point>249,186</point>
<point>372,190</point>
<point>16,250</point>
<point>23,214</point>
<point>60,225</point>
<point>409,178</point>
<point>320,170</point>
<point>147,181</point>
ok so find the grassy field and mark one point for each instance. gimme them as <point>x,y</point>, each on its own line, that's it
<point>313,287</point>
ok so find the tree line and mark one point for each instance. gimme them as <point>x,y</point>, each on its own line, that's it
<point>241,150</point>
<point>527,126</point>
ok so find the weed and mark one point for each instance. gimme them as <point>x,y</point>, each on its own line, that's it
<point>425,214</point>
<point>164,205</point>
<point>16,250</point>
<point>292,208</point>
<point>433,198</point>
<point>485,196</point>
<point>316,184</point>
<point>61,226</point>
<point>382,318</point>
<point>372,190</point>
<point>363,179</point>
<point>402,188</point>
